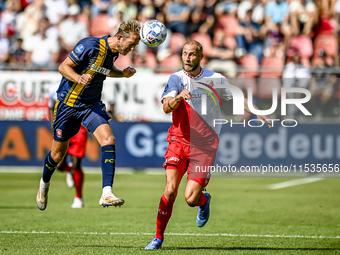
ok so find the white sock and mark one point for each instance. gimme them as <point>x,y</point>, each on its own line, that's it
<point>106,189</point>
<point>44,184</point>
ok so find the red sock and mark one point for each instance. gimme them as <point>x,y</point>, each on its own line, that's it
<point>202,201</point>
<point>78,177</point>
<point>66,168</point>
<point>163,216</point>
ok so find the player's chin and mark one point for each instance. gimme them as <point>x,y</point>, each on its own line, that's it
<point>187,68</point>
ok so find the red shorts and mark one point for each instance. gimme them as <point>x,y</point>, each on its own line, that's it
<point>182,157</point>
<point>77,143</point>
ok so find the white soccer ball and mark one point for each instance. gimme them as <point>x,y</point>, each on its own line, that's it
<point>153,33</point>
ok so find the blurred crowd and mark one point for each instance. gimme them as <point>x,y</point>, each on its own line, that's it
<point>258,41</point>
<point>38,34</point>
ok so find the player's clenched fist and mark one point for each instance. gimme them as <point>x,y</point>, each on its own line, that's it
<point>84,79</point>
<point>128,72</point>
<point>185,94</point>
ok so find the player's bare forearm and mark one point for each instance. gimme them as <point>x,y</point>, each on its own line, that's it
<point>171,103</point>
<point>264,118</point>
<point>246,108</point>
<point>51,113</point>
<point>116,73</point>
<point>66,70</point>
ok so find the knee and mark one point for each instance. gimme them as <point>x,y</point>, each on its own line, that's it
<point>170,193</point>
<point>191,201</point>
<point>57,156</point>
<point>110,140</point>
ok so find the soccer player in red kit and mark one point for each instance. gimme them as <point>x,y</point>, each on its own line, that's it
<point>193,139</point>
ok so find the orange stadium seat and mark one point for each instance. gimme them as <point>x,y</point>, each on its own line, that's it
<point>272,67</point>
<point>327,43</point>
<point>100,25</point>
<point>177,40</point>
<point>205,40</point>
<point>303,44</point>
<point>266,85</point>
<point>170,64</point>
<point>249,65</point>
<point>149,61</point>
<point>229,24</point>
<point>230,42</point>
<point>245,83</point>
<point>123,61</point>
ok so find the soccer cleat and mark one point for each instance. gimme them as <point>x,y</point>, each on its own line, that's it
<point>155,244</point>
<point>42,196</point>
<point>69,180</point>
<point>203,212</point>
<point>110,200</point>
<point>77,203</point>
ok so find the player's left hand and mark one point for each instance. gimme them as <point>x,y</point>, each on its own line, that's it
<point>128,72</point>
<point>265,119</point>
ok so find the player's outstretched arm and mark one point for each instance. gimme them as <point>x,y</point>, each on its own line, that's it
<point>264,118</point>
<point>127,72</point>
<point>171,103</point>
<point>66,70</point>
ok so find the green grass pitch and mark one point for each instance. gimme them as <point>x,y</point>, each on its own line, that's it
<point>246,217</point>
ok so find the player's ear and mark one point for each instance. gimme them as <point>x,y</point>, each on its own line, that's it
<point>201,56</point>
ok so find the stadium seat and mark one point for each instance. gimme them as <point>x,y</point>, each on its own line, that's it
<point>303,44</point>
<point>249,65</point>
<point>123,61</point>
<point>317,60</point>
<point>266,85</point>
<point>229,24</point>
<point>177,40</point>
<point>205,40</point>
<point>100,25</point>
<point>245,83</point>
<point>230,42</point>
<point>170,64</point>
<point>272,67</point>
<point>327,43</point>
<point>149,61</point>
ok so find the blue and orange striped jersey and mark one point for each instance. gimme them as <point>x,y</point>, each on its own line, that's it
<point>92,56</point>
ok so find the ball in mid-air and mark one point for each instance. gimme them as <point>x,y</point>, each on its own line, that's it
<point>153,33</point>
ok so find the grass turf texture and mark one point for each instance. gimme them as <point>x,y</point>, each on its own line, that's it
<point>239,206</point>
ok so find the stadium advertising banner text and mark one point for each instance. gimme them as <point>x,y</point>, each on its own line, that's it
<point>143,145</point>
<point>24,96</point>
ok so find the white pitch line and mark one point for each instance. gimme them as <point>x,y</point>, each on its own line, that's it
<point>296,182</point>
<point>169,234</point>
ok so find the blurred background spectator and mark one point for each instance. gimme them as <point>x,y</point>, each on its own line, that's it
<point>236,34</point>
<point>42,49</point>
<point>71,30</point>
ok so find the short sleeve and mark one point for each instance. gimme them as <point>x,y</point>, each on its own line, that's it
<point>171,88</point>
<point>52,95</point>
<point>226,93</point>
<point>81,52</point>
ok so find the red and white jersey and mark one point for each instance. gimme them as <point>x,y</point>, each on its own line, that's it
<point>193,120</point>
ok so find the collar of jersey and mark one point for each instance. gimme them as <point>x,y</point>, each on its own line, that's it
<point>195,77</point>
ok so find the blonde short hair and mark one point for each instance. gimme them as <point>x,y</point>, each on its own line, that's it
<point>127,27</point>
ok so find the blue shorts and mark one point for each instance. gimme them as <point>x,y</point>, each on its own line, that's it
<point>67,120</point>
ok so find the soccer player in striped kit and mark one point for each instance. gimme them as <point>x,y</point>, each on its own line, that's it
<point>79,102</point>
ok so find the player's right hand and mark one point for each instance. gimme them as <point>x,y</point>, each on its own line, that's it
<point>185,94</point>
<point>84,79</point>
